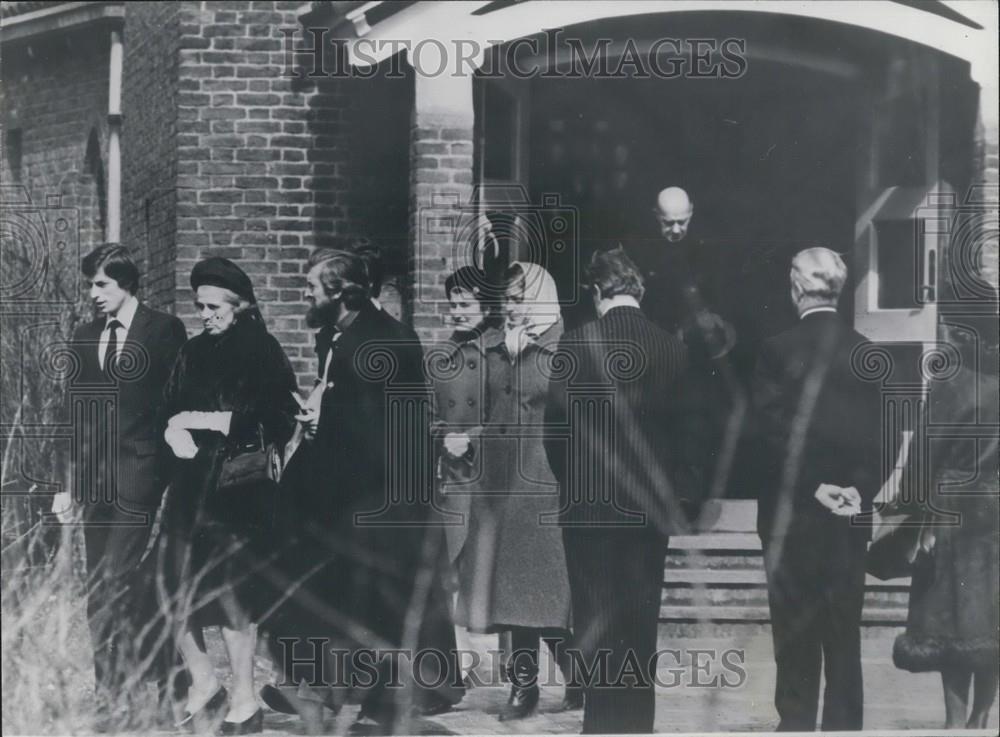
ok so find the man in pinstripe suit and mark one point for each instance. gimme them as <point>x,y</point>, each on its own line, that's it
<point>818,424</point>
<point>122,361</point>
<point>615,442</point>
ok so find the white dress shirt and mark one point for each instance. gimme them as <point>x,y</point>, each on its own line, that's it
<point>126,314</point>
<point>817,309</point>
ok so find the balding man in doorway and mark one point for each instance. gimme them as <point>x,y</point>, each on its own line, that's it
<point>674,211</point>
<point>679,273</point>
<point>682,299</point>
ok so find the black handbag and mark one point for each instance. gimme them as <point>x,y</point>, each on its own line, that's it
<point>895,542</point>
<point>250,464</point>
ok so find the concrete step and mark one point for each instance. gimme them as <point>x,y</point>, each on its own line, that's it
<point>740,576</point>
<point>718,560</point>
<point>872,616</point>
<point>756,595</point>
<point>742,632</point>
<point>714,582</point>
<point>712,541</point>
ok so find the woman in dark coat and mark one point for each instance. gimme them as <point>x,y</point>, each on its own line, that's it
<point>230,389</point>
<point>459,384</point>
<point>954,617</point>
<point>511,567</point>
<point>460,390</point>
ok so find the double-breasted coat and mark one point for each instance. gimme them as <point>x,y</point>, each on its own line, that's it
<point>512,567</point>
<point>460,406</point>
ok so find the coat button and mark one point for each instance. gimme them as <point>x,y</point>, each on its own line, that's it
<point>472,364</point>
<point>508,389</point>
<point>451,402</point>
<point>471,402</point>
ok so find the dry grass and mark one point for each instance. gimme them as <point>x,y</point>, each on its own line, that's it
<point>47,660</point>
<point>47,666</point>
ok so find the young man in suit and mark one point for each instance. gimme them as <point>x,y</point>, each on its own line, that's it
<point>615,429</point>
<point>123,359</point>
<point>819,431</point>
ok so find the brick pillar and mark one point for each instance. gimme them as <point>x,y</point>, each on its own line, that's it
<point>440,190</point>
<point>261,158</point>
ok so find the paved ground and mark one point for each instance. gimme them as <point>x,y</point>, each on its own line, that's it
<point>714,699</point>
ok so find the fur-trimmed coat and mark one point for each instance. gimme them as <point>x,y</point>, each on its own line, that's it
<point>954,616</point>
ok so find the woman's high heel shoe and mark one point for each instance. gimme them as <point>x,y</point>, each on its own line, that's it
<point>253,725</point>
<point>209,711</point>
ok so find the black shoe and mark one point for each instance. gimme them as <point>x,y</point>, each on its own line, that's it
<point>573,695</point>
<point>432,706</point>
<point>524,693</point>
<point>252,725</point>
<point>207,714</point>
<point>572,698</point>
<point>275,700</point>
<point>368,727</point>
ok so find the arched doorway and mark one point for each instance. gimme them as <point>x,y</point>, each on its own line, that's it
<point>830,135</point>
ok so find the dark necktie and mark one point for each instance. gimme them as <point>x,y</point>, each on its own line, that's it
<point>111,354</point>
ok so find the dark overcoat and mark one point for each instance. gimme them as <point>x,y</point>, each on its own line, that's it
<point>460,403</point>
<point>954,613</point>
<point>220,540</point>
<point>361,489</point>
<point>631,463</point>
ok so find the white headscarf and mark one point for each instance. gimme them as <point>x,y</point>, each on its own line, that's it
<point>540,308</point>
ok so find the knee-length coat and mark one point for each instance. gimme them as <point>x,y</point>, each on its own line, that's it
<point>512,567</point>
<point>460,406</point>
<point>954,610</point>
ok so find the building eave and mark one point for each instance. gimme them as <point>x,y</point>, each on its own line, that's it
<point>59,18</point>
<point>383,28</point>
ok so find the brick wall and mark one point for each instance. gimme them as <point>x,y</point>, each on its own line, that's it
<point>441,180</point>
<point>54,103</point>
<point>441,172</point>
<point>55,100</point>
<point>149,143</point>
<point>266,160</point>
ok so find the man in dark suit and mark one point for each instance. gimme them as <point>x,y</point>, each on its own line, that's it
<point>437,630</point>
<point>818,425</point>
<point>363,490</point>
<point>122,360</point>
<point>615,441</point>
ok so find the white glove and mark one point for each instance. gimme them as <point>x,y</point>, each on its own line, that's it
<point>456,444</point>
<point>310,422</point>
<point>180,442</point>
<point>842,501</point>
<point>218,421</point>
<point>62,507</point>
<point>309,408</point>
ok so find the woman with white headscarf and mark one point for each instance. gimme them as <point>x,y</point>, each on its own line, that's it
<point>512,568</point>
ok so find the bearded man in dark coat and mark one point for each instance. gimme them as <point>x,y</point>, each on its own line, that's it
<point>360,488</point>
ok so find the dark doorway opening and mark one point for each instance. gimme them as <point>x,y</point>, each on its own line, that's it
<point>768,160</point>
